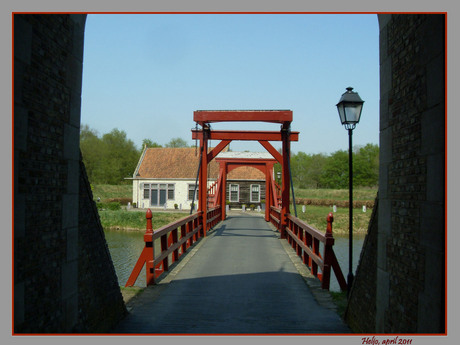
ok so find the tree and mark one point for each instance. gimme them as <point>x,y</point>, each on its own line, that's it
<point>315,169</point>
<point>177,142</point>
<point>335,170</point>
<point>149,143</point>
<point>108,160</point>
<point>366,166</point>
<point>90,146</point>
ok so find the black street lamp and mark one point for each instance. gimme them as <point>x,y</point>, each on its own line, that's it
<point>350,106</point>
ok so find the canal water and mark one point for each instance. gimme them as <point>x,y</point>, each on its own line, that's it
<point>126,246</point>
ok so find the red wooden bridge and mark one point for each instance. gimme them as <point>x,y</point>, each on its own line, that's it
<point>177,239</point>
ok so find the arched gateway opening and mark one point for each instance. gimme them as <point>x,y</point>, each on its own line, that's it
<point>66,288</point>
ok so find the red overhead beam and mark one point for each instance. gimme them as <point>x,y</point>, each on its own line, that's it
<point>272,150</point>
<point>222,145</point>
<point>274,116</point>
<point>244,135</point>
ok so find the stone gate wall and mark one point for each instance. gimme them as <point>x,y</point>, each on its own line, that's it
<point>410,256</point>
<point>52,292</point>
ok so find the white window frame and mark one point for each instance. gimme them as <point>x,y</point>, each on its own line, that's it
<point>230,192</point>
<point>192,185</point>
<point>145,187</point>
<point>258,193</point>
<point>171,187</point>
<point>156,187</point>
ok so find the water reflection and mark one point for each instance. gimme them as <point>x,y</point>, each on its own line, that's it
<point>125,248</point>
<point>341,252</point>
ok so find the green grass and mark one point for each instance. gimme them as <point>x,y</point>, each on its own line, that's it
<point>135,220</point>
<point>316,216</point>
<point>336,194</point>
<point>107,191</point>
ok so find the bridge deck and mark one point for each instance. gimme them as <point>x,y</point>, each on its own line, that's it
<point>241,280</point>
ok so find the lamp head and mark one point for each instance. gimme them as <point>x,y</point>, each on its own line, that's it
<point>350,107</point>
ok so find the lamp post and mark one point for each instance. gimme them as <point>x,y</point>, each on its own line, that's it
<point>350,106</point>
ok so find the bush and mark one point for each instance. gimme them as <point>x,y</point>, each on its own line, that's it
<point>112,206</point>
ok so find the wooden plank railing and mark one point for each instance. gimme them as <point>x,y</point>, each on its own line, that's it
<point>275,217</point>
<point>305,240</point>
<point>170,243</point>
<point>214,216</point>
<point>175,238</point>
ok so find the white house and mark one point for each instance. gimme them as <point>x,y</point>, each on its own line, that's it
<point>165,177</point>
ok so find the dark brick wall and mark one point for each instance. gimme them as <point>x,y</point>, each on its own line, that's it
<point>360,314</point>
<point>100,302</point>
<point>54,288</point>
<point>406,242</point>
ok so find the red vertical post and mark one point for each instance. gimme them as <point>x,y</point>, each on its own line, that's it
<point>164,247</point>
<point>286,180</point>
<point>203,183</point>
<point>223,189</point>
<point>268,176</point>
<point>328,253</point>
<point>183,233</point>
<point>146,256</point>
<point>174,240</point>
<point>149,249</point>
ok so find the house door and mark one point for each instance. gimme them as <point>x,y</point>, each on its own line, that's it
<point>154,197</point>
<point>162,197</point>
<point>158,195</point>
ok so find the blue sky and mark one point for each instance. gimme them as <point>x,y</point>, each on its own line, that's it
<point>146,74</point>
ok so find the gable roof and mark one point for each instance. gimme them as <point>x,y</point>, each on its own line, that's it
<point>182,163</point>
<point>173,163</point>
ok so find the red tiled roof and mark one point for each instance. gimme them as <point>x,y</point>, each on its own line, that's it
<point>175,163</point>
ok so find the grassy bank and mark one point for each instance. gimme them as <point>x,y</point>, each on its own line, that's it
<point>108,192</point>
<point>314,215</point>
<point>362,194</point>
<point>135,220</point>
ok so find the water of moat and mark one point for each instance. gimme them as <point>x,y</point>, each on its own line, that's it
<point>126,246</point>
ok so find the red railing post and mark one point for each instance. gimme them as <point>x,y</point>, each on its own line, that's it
<point>146,256</point>
<point>328,252</point>
<point>149,249</point>
<point>330,219</point>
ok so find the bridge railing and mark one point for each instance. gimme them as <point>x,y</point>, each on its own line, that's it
<point>305,240</point>
<point>174,240</point>
<point>275,217</point>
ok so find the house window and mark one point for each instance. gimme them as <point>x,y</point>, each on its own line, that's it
<point>146,190</point>
<point>191,190</point>
<point>255,193</point>
<point>159,193</point>
<point>234,193</point>
<point>170,191</point>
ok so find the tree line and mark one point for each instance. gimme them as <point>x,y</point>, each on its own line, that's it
<point>111,157</point>
<point>331,171</point>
